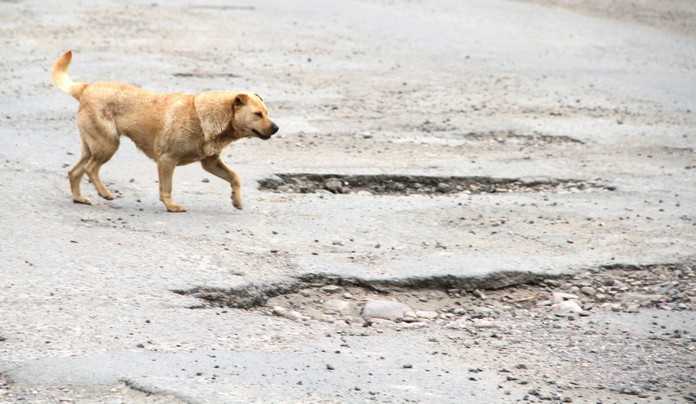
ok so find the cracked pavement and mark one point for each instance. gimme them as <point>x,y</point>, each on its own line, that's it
<point>495,89</point>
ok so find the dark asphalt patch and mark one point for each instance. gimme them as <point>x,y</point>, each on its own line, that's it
<point>512,137</point>
<point>205,75</point>
<point>223,7</point>
<point>385,184</point>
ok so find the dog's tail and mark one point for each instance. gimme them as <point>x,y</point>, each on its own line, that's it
<point>62,80</point>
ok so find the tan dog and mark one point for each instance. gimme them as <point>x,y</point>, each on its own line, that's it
<point>172,129</point>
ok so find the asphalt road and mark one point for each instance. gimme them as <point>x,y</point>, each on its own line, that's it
<point>502,89</point>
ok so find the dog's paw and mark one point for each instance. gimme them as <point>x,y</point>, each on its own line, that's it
<point>237,204</point>
<point>109,196</point>
<point>176,209</point>
<point>82,200</point>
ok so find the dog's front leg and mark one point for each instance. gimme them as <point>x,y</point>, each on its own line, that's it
<point>165,168</point>
<point>217,167</point>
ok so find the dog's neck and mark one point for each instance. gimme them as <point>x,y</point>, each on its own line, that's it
<point>230,133</point>
<point>222,140</point>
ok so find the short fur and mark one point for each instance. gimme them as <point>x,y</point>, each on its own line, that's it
<point>172,129</point>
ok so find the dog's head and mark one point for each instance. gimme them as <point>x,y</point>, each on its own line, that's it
<point>251,117</point>
<point>245,114</point>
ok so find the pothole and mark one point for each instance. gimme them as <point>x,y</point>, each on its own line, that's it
<point>386,184</point>
<point>254,295</point>
<point>502,136</point>
<point>205,75</point>
<point>217,7</point>
<point>512,137</point>
<point>139,392</point>
<point>460,302</point>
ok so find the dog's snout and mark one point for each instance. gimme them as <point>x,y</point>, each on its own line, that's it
<point>274,128</point>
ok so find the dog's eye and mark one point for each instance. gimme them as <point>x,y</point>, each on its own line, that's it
<point>259,114</point>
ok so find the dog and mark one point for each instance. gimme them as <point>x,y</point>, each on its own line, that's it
<point>173,129</point>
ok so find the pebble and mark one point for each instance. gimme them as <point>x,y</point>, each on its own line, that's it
<point>479,294</point>
<point>630,390</point>
<point>295,316</point>
<point>567,307</point>
<point>334,185</point>
<point>443,187</point>
<point>331,289</point>
<point>289,314</point>
<point>410,317</point>
<point>385,309</point>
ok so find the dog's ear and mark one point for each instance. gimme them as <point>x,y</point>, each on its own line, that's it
<point>241,100</point>
<point>215,110</point>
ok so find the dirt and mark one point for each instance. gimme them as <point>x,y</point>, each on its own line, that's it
<point>522,319</point>
<point>615,287</point>
<point>518,321</point>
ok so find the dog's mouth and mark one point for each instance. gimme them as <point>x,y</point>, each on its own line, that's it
<point>261,135</point>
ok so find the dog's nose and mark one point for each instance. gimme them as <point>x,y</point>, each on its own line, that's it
<point>274,128</point>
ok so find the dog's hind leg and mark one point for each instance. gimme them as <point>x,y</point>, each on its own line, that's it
<point>75,175</point>
<point>102,139</point>
<point>105,149</point>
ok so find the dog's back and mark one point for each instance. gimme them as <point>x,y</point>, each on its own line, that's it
<point>113,109</point>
